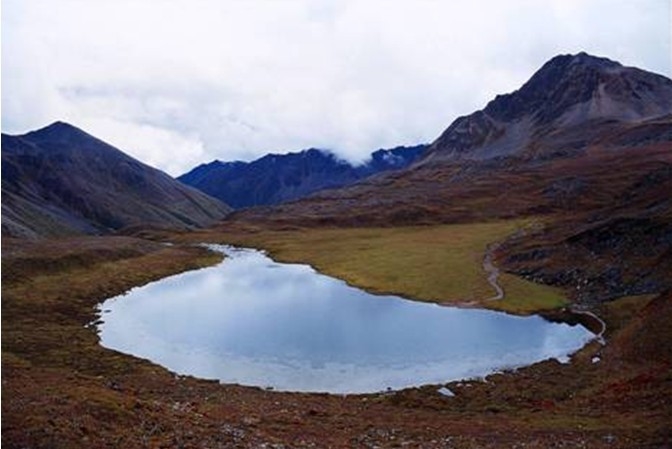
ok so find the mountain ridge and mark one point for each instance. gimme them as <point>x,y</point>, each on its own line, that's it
<point>278,178</point>
<point>598,185</point>
<point>481,169</point>
<point>60,180</point>
<point>567,91</point>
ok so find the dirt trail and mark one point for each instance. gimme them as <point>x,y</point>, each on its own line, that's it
<point>493,275</point>
<point>493,272</point>
<point>603,326</point>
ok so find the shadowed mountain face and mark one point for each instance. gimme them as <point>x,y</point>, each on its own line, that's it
<point>60,180</point>
<point>276,178</point>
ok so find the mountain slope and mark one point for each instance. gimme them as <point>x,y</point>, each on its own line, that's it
<point>277,178</point>
<point>550,147</point>
<point>60,180</point>
<point>570,99</point>
<point>586,144</point>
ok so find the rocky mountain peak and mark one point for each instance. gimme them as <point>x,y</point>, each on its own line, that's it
<point>59,132</point>
<point>562,82</point>
<point>567,91</point>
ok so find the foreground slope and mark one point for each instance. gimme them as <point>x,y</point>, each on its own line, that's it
<point>61,389</point>
<point>60,180</point>
<point>277,178</point>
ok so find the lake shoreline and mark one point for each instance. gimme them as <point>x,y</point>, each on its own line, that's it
<point>306,331</point>
<point>59,384</point>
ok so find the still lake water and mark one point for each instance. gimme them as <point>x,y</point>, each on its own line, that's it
<point>257,322</point>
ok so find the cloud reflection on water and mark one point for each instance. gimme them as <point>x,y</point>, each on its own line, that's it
<point>253,321</point>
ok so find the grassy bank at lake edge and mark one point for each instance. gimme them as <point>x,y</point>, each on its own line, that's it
<point>439,263</point>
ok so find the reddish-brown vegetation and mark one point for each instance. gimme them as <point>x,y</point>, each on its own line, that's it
<point>61,389</point>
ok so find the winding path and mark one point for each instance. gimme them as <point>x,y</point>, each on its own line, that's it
<point>493,272</point>
<point>603,325</point>
<point>493,275</point>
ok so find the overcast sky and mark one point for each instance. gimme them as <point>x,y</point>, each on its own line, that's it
<point>179,82</point>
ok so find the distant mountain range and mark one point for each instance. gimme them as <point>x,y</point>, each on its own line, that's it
<point>586,144</point>
<point>278,178</point>
<point>60,180</point>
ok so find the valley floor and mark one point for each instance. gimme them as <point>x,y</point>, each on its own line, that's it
<point>437,263</point>
<point>61,389</point>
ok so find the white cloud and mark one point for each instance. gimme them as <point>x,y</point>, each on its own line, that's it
<point>179,82</point>
<point>158,147</point>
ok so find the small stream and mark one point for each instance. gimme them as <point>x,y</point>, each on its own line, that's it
<point>253,321</point>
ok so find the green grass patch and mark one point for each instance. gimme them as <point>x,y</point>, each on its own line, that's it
<point>442,263</point>
<point>523,297</point>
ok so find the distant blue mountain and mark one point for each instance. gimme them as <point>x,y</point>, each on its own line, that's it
<point>278,178</point>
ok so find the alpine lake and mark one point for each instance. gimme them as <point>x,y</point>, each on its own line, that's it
<point>253,321</point>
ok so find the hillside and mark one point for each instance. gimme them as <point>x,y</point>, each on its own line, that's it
<point>278,178</point>
<point>586,143</point>
<point>550,146</point>
<point>60,180</point>
<point>570,102</point>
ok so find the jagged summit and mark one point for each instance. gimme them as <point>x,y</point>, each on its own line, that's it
<point>567,91</point>
<point>563,81</point>
<point>583,59</point>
